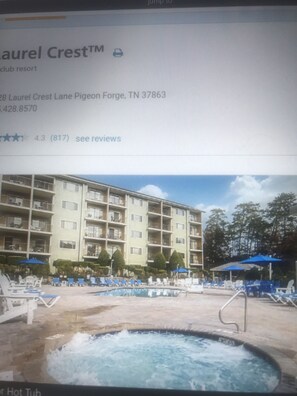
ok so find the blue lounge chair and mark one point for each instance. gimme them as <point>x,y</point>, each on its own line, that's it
<point>56,282</point>
<point>70,282</point>
<point>93,281</point>
<point>80,282</point>
<point>123,282</point>
<point>102,282</point>
<point>138,282</point>
<point>116,282</point>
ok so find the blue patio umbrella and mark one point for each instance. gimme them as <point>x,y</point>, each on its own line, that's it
<point>30,261</point>
<point>233,267</point>
<point>180,270</point>
<point>262,260</point>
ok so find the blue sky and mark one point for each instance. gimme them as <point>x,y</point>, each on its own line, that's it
<point>206,192</point>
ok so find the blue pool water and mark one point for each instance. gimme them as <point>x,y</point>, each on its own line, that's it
<point>161,360</point>
<point>140,292</point>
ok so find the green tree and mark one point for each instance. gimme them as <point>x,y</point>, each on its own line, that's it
<point>283,226</point>
<point>159,261</point>
<point>248,229</point>
<point>104,258</point>
<point>175,260</point>
<point>118,261</point>
<point>216,238</point>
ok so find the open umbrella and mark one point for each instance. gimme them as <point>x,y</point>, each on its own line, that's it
<point>180,270</point>
<point>262,260</point>
<point>32,260</point>
<point>233,267</point>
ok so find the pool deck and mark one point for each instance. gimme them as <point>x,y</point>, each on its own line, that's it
<point>271,327</point>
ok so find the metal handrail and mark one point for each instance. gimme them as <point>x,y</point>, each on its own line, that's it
<point>245,310</point>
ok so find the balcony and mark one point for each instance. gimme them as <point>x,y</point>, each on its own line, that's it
<point>115,218</point>
<point>152,241</point>
<point>156,226</point>
<point>38,248</point>
<point>20,180</point>
<point>195,218</point>
<point>154,210</point>
<point>15,201</point>
<point>116,237</point>
<point>40,226</point>
<point>14,222</point>
<point>115,200</point>
<point>92,251</point>
<point>96,196</point>
<point>93,215</point>
<point>43,185</point>
<point>42,205</point>
<point>94,234</point>
<point>195,246</point>
<point>14,246</point>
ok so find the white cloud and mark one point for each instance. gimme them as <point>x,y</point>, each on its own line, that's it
<point>155,191</point>
<point>260,190</point>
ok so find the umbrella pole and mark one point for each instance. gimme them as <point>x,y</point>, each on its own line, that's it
<point>270,271</point>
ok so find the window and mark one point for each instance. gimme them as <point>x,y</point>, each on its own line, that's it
<point>95,195</point>
<point>180,212</point>
<point>136,201</point>
<point>67,244</point>
<point>70,186</point>
<point>180,240</point>
<point>135,217</point>
<point>180,226</point>
<point>94,232</point>
<point>136,234</point>
<point>68,225</point>
<point>135,250</point>
<point>69,205</point>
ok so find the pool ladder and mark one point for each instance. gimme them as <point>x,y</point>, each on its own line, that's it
<point>245,310</point>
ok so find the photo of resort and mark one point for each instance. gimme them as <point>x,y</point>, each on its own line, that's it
<point>184,282</point>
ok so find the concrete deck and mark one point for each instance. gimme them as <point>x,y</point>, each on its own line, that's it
<point>271,327</point>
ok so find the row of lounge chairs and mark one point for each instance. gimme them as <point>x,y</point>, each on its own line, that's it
<point>285,295</point>
<point>18,299</point>
<point>68,282</point>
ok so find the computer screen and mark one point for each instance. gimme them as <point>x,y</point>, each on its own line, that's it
<point>146,151</point>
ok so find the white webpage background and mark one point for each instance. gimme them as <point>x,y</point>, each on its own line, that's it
<point>230,106</point>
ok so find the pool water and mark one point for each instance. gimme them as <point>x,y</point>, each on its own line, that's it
<point>163,360</point>
<point>140,292</point>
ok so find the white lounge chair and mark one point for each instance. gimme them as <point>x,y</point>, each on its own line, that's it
<point>26,306</point>
<point>195,289</point>
<point>16,294</point>
<point>288,289</point>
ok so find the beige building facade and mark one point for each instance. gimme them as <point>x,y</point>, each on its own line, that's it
<point>67,217</point>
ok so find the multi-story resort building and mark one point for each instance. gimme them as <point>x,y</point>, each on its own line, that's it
<point>67,217</point>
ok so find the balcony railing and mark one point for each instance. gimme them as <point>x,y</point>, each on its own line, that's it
<point>93,196</point>
<point>92,251</point>
<point>14,200</point>
<point>116,219</point>
<point>155,225</point>
<point>118,237</point>
<point>14,246</point>
<point>116,200</point>
<point>41,226</point>
<point>39,248</point>
<point>195,219</point>
<point>21,180</point>
<point>94,234</point>
<point>14,222</point>
<point>152,209</point>
<point>95,216</point>
<point>42,205</point>
<point>154,242</point>
<point>43,185</point>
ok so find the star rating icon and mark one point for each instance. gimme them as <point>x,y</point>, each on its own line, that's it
<point>11,138</point>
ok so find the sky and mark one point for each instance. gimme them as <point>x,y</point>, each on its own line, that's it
<point>206,192</point>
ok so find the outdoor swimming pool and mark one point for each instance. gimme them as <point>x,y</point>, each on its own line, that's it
<point>161,360</point>
<point>140,292</point>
